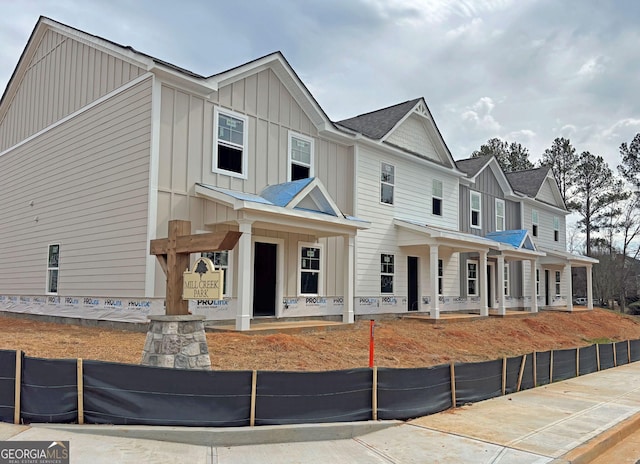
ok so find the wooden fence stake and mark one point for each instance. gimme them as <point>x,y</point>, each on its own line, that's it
<point>629,351</point>
<point>254,383</point>
<point>453,385</point>
<point>521,373</point>
<point>598,354</point>
<point>374,394</point>
<point>80,382</point>
<point>578,362</point>
<point>551,367</point>
<point>504,375</point>
<point>16,403</point>
<point>535,370</point>
<point>615,360</point>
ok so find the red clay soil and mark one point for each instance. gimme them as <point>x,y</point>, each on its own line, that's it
<point>399,343</point>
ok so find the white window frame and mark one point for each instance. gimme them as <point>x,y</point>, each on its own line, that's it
<point>305,138</point>
<point>216,141</point>
<point>386,273</point>
<point>469,278</point>
<point>51,268</point>
<point>320,271</point>
<point>440,276</point>
<point>503,216</point>
<point>435,195</point>
<point>556,229</point>
<point>392,184</point>
<point>228,270</point>
<point>534,222</point>
<point>558,283</point>
<point>471,209</point>
<point>506,282</point>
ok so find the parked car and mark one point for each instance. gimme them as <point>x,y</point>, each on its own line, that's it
<point>580,301</point>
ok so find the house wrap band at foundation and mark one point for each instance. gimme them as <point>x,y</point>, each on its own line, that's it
<point>339,219</point>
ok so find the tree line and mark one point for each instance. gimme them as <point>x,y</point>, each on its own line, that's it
<point>606,200</point>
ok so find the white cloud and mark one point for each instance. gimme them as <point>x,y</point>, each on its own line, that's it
<point>479,115</point>
<point>592,66</point>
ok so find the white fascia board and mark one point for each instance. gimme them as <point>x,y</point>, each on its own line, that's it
<point>218,197</point>
<point>198,86</point>
<point>317,218</point>
<point>308,189</point>
<point>455,239</point>
<point>540,205</point>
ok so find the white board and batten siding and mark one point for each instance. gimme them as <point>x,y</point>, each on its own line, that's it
<point>62,76</point>
<point>186,157</point>
<point>74,186</point>
<point>413,202</point>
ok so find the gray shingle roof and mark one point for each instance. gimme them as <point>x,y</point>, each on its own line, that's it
<point>528,181</point>
<point>471,166</point>
<point>377,124</point>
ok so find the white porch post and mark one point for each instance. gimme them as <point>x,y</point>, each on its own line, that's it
<point>589,287</point>
<point>433,274</point>
<point>482,276</point>
<point>245,296</point>
<point>533,263</point>
<point>502,310</point>
<point>348,315</point>
<point>567,278</point>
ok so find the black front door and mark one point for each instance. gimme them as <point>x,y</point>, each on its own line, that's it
<point>412,269</point>
<point>264,279</point>
<point>547,301</point>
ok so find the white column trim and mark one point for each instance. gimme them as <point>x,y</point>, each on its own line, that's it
<point>589,270</point>
<point>245,292</point>
<point>154,169</point>
<point>533,263</point>
<point>568,286</point>
<point>348,314</point>
<point>502,310</point>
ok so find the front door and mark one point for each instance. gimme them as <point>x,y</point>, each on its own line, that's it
<point>264,279</point>
<point>412,270</point>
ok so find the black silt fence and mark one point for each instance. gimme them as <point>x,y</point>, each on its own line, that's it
<point>7,385</point>
<point>606,356</point>
<point>513,372</point>
<point>478,381</point>
<point>622,353</point>
<point>49,391</point>
<point>527,375</point>
<point>124,394</point>
<point>588,360</point>
<point>564,364</point>
<point>635,350</point>
<point>301,397</point>
<point>408,393</point>
<point>543,363</point>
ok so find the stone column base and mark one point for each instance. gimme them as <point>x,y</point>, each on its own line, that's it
<point>176,341</point>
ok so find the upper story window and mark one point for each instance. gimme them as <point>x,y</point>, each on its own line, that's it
<point>53,266</point>
<point>386,273</point>
<point>310,271</point>
<point>436,201</point>
<point>500,215</point>
<point>475,209</point>
<point>472,278</point>
<point>387,183</point>
<point>534,223</point>
<point>300,156</point>
<point>230,143</point>
<point>556,228</point>
<point>221,261</point>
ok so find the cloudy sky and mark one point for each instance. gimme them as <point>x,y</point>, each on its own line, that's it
<point>523,70</point>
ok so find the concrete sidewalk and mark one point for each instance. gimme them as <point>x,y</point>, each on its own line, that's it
<point>570,421</point>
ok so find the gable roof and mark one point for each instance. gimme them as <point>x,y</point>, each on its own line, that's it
<point>471,166</point>
<point>519,238</point>
<point>529,181</point>
<point>376,124</point>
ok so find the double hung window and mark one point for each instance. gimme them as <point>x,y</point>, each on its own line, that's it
<point>300,156</point>
<point>499,215</point>
<point>386,273</point>
<point>310,269</point>
<point>220,260</point>
<point>476,209</point>
<point>436,197</point>
<point>387,183</point>
<point>230,143</point>
<point>472,278</point>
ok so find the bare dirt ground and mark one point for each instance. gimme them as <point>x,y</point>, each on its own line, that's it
<point>399,343</point>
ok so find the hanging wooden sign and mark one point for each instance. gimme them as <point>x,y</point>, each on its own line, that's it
<point>204,282</point>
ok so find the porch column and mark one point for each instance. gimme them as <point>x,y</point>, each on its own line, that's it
<point>502,310</point>
<point>433,274</point>
<point>589,287</point>
<point>348,315</point>
<point>533,263</point>
<point>482,276</point>
<point>245,296</point>
<point>567,278</point>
